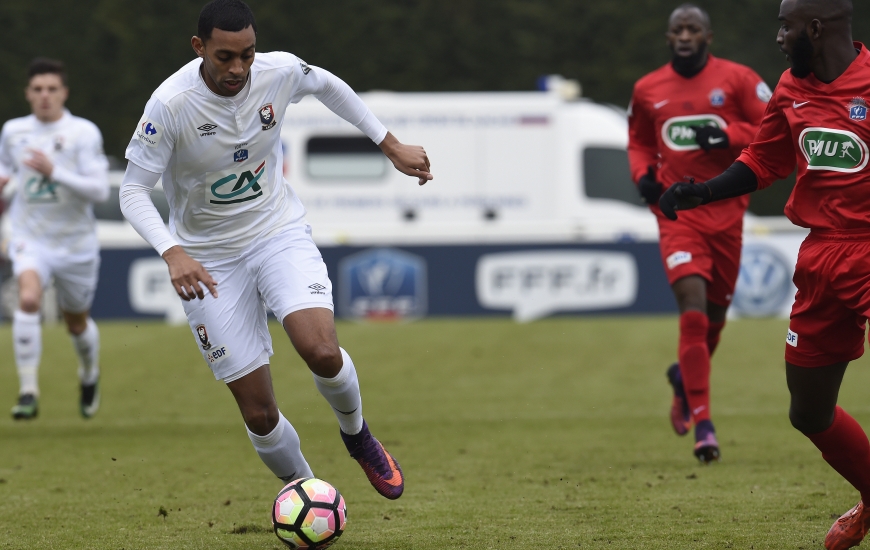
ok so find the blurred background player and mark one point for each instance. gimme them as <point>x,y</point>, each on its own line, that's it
<point>817,121</point>
<point>690,119</point>
<point>213,131</point>
<point>58,162</point>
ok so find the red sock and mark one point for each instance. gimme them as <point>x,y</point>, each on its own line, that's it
<point>695,363</point>
<point>845,447</point>
<point>713,336</point>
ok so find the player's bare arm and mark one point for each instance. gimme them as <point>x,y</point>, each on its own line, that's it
<point>408,159</point>
<point>40,162</point>
<point>187,274</point>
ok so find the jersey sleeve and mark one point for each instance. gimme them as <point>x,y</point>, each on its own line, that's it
<point>642,142</point>
<point>154,139</point>
<point>90,178</point>
<point>771,155</point>
<point>6,167</point>
<point>753,97</point>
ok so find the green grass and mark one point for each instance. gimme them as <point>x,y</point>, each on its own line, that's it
<point>547,435</point>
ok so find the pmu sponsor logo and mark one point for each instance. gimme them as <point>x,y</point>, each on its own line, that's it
<point>149,133</point>
<point>235,188</point>
<point>382,283</point>
<point>764,284</point>
<point>535,284</point>
<point>834,150</point>
<point>678,134</point>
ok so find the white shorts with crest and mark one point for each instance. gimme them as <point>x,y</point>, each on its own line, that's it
<point>283,273</point>
<point>75,275</point>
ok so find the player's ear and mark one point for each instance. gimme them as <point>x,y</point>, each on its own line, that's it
<point>198,46</point>
<point>815,29</point>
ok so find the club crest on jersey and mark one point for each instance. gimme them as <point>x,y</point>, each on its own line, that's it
<point>58,143</point>
<point>858,109</point>
<point>267,116</point>
<point>678,135</point>
<point>717,97</point>
<point>233,188</point>
<point>202,334</point>
<point>834,150</point>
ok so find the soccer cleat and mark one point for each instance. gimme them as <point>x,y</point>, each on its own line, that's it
<point>849,530</point>
<point>89,399</point>
<point>707,449</point>
<point>681,416</point>
<point>383,471</point>
<point>26,408</point>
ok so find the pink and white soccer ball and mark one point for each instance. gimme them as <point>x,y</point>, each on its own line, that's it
<point>309,513</point>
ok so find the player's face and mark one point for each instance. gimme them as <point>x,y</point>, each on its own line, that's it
<point>46,95</point>
<point>794,41</point>
<point>688,34</point>
<point>227,58</point>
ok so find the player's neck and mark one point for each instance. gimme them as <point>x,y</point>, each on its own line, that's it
<point>48,118</point>
<point>835,61</point>
<point>687,67</point>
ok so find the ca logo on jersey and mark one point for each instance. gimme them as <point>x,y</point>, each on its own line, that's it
<point>678,135</point>
<point>40,189</point>
<point>235,188</point>
<point>834,150</point>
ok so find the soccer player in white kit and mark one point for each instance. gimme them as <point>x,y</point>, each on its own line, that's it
<point>58,163</point>
<point>238,243</point>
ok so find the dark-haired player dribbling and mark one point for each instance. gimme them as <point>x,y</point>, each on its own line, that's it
<point>818,121</point>
<point>238,229</point>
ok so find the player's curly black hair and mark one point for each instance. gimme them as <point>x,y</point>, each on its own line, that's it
<point>226,15</point>
<point>44,65</point>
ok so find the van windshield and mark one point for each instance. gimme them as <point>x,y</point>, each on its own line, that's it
<point>344,158</point>
<point>606,175</point>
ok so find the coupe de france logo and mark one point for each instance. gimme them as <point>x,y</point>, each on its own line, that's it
<point>858,109</point>
<point>267,116</point>
<point>764,283</point>
<point>382,284</point>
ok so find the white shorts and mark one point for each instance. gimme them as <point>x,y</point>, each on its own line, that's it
<point>75,276</point>
<point>284,273</point>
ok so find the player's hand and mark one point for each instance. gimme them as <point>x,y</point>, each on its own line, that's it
<point>683,196</point>
<point>187,274</point>
<point>650,190</point>
<point>408,159</point>
<point>40,162</point>
<point>711,137</point>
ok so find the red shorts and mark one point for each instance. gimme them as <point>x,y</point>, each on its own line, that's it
<point>833,299</point>
<point>687,250</point>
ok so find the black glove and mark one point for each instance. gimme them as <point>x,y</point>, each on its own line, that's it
<point>683,196</point>
<point>711,137</point>
<point>650,190</point>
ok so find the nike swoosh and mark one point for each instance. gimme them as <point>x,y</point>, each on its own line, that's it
<point>698,409</point>
<point>714,141</point>
<point>661,104</point>
<point>396,480</point>
<point>797,105</point>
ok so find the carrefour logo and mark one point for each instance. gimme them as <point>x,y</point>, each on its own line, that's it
<point>149,133</point>
<point>678,135</point>
<point>235,188</point>
<point>834,150</point>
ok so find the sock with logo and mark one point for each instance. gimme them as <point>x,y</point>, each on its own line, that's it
<point>87,345</point>
<point>845,447</point>
<point>694,359</point>
<point>342,393</point>
<point>27,344</point>
<point>281,452</point>
<point>713,332</point>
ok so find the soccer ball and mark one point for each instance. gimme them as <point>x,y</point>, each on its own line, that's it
<point>309,513</point>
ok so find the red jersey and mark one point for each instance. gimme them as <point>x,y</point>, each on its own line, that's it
<point>824,129</point>
<point>663,108</point>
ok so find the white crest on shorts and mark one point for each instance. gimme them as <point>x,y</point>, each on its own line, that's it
<point>202,334</point>
<point>678,258</point>
<point>791,338</point>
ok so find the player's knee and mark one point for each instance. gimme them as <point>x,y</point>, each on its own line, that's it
<point>261,419</point>
<point>323,359</point>
<point>809,422</point>
<point>29,302</point>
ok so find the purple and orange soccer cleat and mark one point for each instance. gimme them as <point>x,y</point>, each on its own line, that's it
<point>681,416</point>
<point>707,447</point>
<point>383,471</point>
<point>849,530</point>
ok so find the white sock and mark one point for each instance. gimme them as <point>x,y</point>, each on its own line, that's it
<point>27,343</point>
<point>280,451</point>
<point>342,392</point>
<point>87,345</point>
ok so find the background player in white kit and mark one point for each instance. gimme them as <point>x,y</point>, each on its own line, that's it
<point>58,163</point>
<point>212,131</point>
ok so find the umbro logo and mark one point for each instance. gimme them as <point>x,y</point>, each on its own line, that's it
<point>206,129</point>
<point>317,288</point>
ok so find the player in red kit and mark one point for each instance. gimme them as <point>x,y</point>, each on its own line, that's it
<point>690,119</point>
<point>818,121</point>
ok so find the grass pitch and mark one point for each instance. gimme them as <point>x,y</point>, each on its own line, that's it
<point>547,435</point>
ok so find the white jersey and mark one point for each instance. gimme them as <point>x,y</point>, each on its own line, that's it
<point>221,157</point>
<point>56,212</point>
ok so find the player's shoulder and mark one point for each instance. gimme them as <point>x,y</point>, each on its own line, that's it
<point>650,80</point>
<point>181,82</point>
<point>732,67</point>
<point>82,124</point>
<point>275,60</point>
<point>19,124</point>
